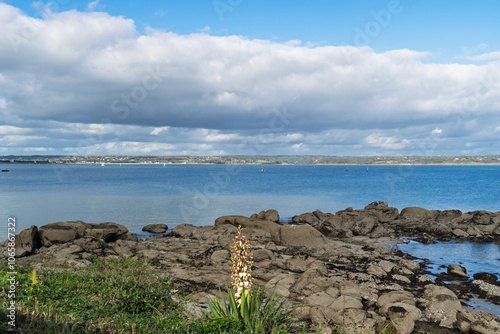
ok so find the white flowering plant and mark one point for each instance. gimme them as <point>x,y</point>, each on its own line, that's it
<point>246,303</point>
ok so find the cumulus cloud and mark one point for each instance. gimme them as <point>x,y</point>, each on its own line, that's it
<point>98,85</point>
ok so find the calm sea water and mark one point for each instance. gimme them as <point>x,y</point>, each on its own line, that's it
<point>137,195</point>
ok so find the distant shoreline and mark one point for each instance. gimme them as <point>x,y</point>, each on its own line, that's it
<point>251,164</point>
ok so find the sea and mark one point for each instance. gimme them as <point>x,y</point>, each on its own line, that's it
<point>137,195</point>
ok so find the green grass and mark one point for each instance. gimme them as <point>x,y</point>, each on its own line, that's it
<point>111,296</point>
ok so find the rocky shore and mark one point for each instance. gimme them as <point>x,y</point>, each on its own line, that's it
<point>334,268</point>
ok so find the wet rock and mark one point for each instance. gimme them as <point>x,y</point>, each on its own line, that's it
<point>485,289</point>
<point>486,277</point>
<point>457,270</point>
<point>155,228</point>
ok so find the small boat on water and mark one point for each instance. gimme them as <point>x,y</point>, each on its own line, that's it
<point>262,170</point>
<point>5,170</point>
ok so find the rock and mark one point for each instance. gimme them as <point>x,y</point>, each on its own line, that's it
<point>129,236</point>
<point>270,215</point>
<point>63,251</point>
<point>308,218</point>
<point>337,226</point>
<point>262,255</point>
<point>346,302</point>
<point>297,264</point>
<point>376,271</point>
<point>485,289</point>
<point>53,236</point>
<point>89,244</point>
<point>402,320</point>
<point>447,216</point>
<point>251,223</point>
<point>410,265</point>
<point>442,305</point>
<point>148,253</point>
<point>349,288</point>
<point>460,233</point>
<point>377,205</point>
<point>184,231</point>
<point>108,232</point>
<point>301,235</point>
<point>27,242</point>
<point>364,226</point>
<point>382,212</point>
<point>125,248</point>
<point>457,270</point>
<point>78,226</point>
<point>155,228</point>
<point>414,213</point>
<point>482,217</point>
<point>353,321</point>
<point>394,297</point>
<point>280,284</point>
<point>479,323</point>
<point>220,256</point>
<point>319,299</point>
<point>486,277</point>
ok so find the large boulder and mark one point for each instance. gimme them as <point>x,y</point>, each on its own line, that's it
<point>155,228</point>
<point>184,231</point>
<point>27,242</point>
<point>414,213</point>
<point>300,236</point>
<point>482,217</point>
<point>245,222</point>
<point>441,306</point>
<point>108,232</point>
<point>382,211</point>
<point>53,236</point>
<point>270,215</point>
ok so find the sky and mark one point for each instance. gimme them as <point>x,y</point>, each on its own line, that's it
<point>241,77</point>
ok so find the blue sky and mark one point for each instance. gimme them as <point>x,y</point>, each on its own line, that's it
<point>216,77</point>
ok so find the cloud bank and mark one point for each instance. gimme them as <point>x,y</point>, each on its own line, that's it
<point>89,83</point>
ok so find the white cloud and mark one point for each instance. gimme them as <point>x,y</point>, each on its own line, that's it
<point>489,56</point>
<point>391,143</point>
<point>96,80</point>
